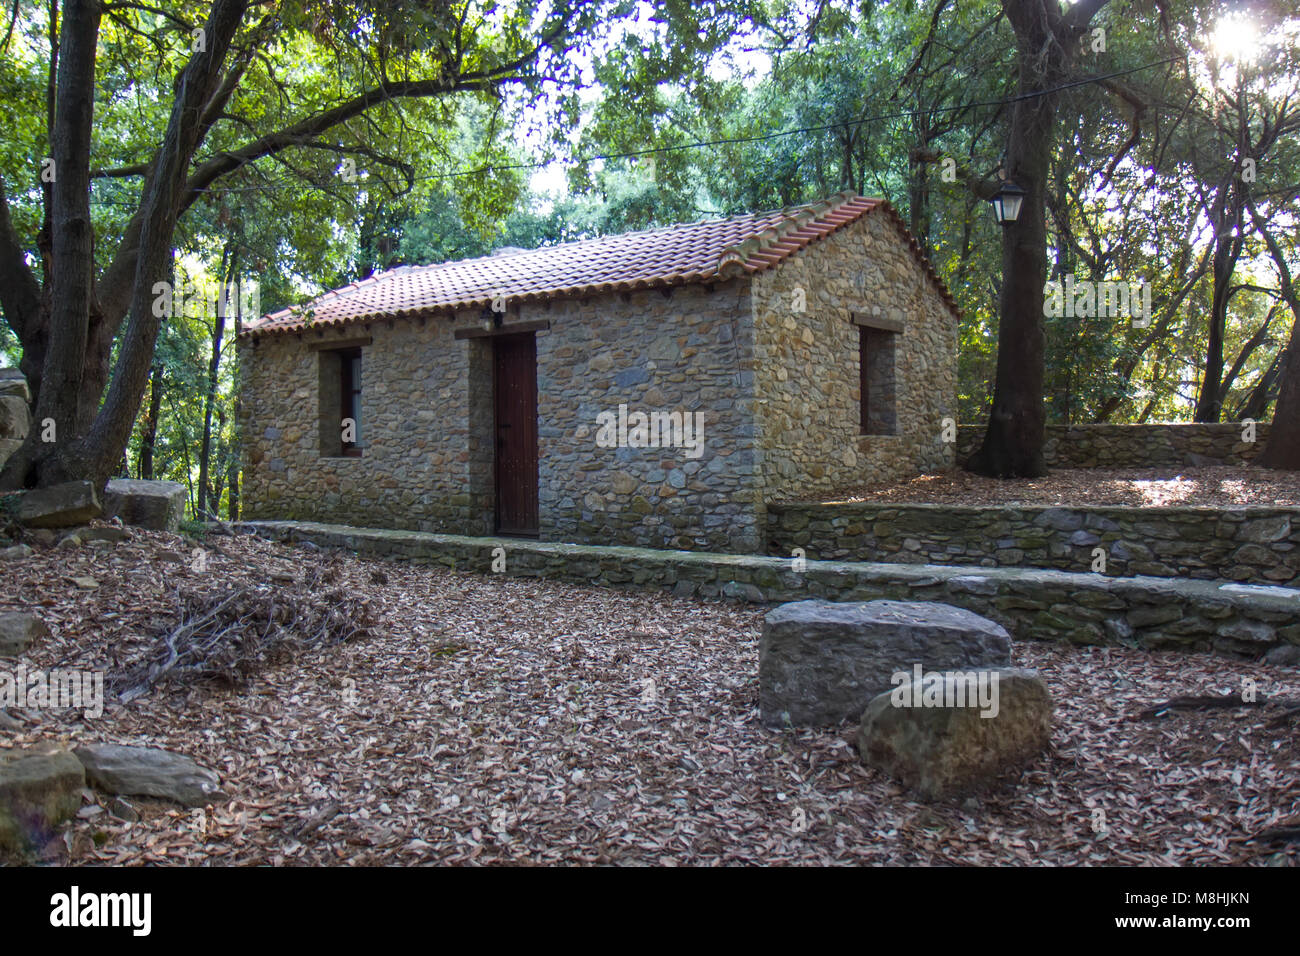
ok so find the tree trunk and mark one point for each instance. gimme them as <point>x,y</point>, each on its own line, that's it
<point>1046,43</point>
<point>229,266</point>
<point>71,255</point>
<point>1283,448</point>
<point>150,435</point>
<point>1226,217</point>
<point>93,455</point>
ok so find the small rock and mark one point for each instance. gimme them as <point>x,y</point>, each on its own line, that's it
<point>15,553</point>
<point>110,534</point>
<point>119,808</point>
<point>149,772</point>
<point>69,543</point>
<point>86,584</point>
<point>18,631</point>
<point>85,813</point>
<point>1286,655</point>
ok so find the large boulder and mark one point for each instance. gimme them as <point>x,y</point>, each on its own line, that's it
<point>60,506</point>
<point>18,631</point>
<point>37,793</point>
<point>948,734</point>
<point>149,772</point>
<point>821,663</point>
<point>159,505</point>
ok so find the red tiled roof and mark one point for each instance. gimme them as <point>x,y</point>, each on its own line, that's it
<point>655,258</point>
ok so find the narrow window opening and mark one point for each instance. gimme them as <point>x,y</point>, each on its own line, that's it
<point>876,363</point>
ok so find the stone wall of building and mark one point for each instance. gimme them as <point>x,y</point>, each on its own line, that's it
<point>686,350</point>
<point>414,468</point>
<point>1137,446</point>
<point>427,423</point>
<point>807,371</point>
<point>1258,544</point>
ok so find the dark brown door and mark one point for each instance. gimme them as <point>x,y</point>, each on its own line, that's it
<point>514,386</point>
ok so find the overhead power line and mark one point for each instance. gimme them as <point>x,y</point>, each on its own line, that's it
<point>728,141</point>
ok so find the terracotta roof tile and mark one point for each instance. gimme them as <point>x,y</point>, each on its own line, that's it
<point>675,255</point>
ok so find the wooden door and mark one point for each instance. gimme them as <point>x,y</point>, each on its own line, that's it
<point>514,389</point>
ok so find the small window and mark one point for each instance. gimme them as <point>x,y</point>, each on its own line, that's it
<point>876,358</point>
<point>340,403</point>
<point>350,406</point>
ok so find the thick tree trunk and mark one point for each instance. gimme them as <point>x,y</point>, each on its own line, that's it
<point>1047,42</point>
<point>93,456</point>
<point>1283,448</point>
<point>71,252</point>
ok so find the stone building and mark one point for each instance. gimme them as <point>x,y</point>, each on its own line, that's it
<point>655,388</point>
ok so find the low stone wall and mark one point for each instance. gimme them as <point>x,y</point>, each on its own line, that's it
<point>1237,619</point>
<point>1136,446</point>
<point>1237,544</point>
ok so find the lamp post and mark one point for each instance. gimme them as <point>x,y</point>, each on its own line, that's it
<point>1006,202</point>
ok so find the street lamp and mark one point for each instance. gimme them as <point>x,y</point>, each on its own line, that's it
<point>1006,202</point>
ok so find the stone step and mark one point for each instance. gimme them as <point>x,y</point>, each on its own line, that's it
<point>1158,613</point>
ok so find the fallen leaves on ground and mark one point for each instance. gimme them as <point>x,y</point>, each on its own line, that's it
<point>492,719</point>
<point>1214,486</point>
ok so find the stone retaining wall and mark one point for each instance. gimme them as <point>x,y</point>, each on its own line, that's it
<point>1237,619</point>
<point>1237,544</point>
<point>1136,446</point>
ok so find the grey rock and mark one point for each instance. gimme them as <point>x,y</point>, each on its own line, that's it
<point>38,791</point>
<point>15,417</point>
<point>821,663</point>
<point>1265,530</point>
<point>109,534</point>
<point>13,382</point>
<point>945,751</point>
<point>742,592</point>
<point>149,772</point>
<point>1060,519</point>
<point>60,506</point>
<point>1287,655</point>
<point>15,553</point>
<point>19,630</point>
<point>159,505</point>
<point>1083,539</point>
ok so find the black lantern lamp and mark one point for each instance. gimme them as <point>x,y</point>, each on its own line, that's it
<point>1006,202</point>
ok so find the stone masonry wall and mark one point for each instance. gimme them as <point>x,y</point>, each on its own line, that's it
<point>1136,446</point>
<point>426,423</point>
<point>1033,604</point>
<point>687,350</point>
<point>807,373</point>
<point>414,471</point>
<point>1240,544</point>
